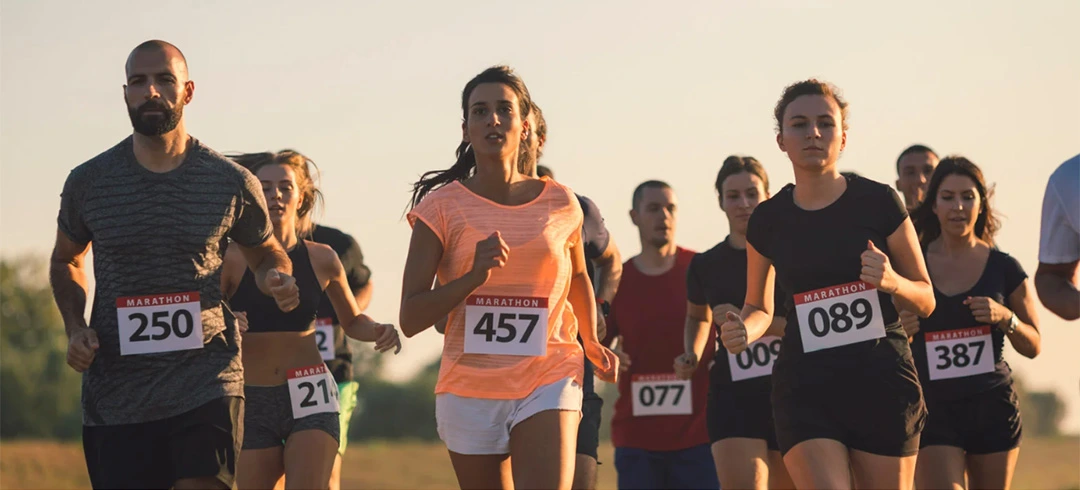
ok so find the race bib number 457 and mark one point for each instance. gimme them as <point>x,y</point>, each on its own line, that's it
<point>159,323</point>
<point>660,394</point>
<point>959,353</point>
<point>506,325</point>
<point>839,315</point>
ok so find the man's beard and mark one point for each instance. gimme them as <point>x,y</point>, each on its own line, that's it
<point>660,242</point>
<point>155,125</point>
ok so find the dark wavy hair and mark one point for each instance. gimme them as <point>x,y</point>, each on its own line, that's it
<point>926,221</point>
<point>812,86</point>
<point>465,166</point>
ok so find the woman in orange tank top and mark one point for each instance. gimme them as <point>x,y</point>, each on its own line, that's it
<point>506,248</point>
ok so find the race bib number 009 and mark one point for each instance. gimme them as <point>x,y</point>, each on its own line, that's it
<point>839,315</point>
<point>159,323</point>
<point>312,390</point>
<point>660,394</point>
<point>959,353</point>
<point>506,325</point>
<point>757,360</point>
<point>324,338</point>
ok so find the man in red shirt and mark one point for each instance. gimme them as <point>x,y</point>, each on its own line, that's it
<point>658,428</point>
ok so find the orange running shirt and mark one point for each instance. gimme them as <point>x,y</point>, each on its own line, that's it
<point>490,350</point>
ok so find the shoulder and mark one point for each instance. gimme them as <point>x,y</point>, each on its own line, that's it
<point>1066,177</point>
<point>323,258</point>
<point>333,237</point>
<point>85,173</point>
<point>213,161</point>
<point>777,203</point>
<point>564,195</point>
<point>1005,261</point>
<point>685,255</point>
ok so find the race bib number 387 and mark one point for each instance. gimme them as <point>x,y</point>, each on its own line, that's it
<point>159,323</point>
<point>506,325</point>
<point>312,390</point>
<point>959,353</point>
<point>660,394</point>
<point>839,315</point>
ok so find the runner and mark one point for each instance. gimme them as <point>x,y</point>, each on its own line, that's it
<point>739,411</point>
<point>332,343</point>
<point>292,425</point>
<point>658,428</point>
<point>1059,242</point>
<point>983,297</point>
<point>846,398</point>
<point>914,167</point>
<point>604,266</point>
<point>508,252</point>
<point>162,392</point>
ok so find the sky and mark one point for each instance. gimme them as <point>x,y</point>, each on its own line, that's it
<point>631,91</point>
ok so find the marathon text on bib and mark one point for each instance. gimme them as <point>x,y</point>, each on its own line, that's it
<point>839,315</point>
<point>312,390</point>
<point>506,325</point>
<point>324,337</point>
<point>959,353</point>
<point>661,394</point>
<point>757,360</point>
<point>159,323</point>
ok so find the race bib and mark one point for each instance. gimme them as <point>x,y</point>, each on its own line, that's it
<point>660,394</point>
<point>312,390</point>
<point>959,353</point>
<point>324,338</point>
<point>506,325</point>
<point>839,315</point>
<point>757,360</point>
<point>159,323</point>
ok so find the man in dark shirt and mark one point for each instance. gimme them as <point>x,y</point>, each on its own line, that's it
<point>163,386</point>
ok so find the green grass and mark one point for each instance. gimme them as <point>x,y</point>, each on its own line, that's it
<point>1051,464</point>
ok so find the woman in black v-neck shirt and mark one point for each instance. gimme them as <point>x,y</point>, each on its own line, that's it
<point>846,398</point>
<point>983,296</point>
<point>738,411</point>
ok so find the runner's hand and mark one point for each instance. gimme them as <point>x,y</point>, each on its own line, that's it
<point>624,358</point>
<point>283,288</point>
<point>82,347</point>
<point>719,312</point>
<point>387,338</point>
<point>910,322</point>
<point>877,270</point>
<point>241,321</point>
<point>987,310</point>
<point>491,252</point>
<point>685,365</point>
<point>733,333</point>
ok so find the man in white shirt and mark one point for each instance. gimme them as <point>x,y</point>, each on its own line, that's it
<point>1059,242</point>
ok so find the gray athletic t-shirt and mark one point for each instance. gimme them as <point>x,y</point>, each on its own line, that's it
<point>154,234</point>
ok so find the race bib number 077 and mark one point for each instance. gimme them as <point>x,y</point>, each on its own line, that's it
<point>839,315</point>
<point>159,323</point>
<point>506,325</point>
<point>660,394</point>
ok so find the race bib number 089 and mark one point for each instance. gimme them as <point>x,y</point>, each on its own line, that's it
<point>159,323</point>
<point>324,338</point>
<point>660,394</point>
<point>757,360</point>
<point>839,315</point>
<point>312,390</point>
<point>959,353</point>
<point>506,325</point>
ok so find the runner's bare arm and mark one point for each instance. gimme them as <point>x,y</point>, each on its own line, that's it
<point>583,301</point>
<point>758,307</point>
<point>696,329</point>
<point>331,275</point>
<point>232,270</point>
<point>913,290</point>
<point>1026,339</point>
<point>270,255</point>
<point>362,295</point>
<point>1056,289</point>
<point>422,306</point>
<point>778,326</point>
<point>67,275</point>
<point>610,272</point>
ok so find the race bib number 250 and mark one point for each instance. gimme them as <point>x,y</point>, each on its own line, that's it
<point>506,325</point>
<point>159,323</point>
<point>839,315</point>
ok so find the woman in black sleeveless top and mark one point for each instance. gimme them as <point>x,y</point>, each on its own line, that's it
<point>846,398</point>
<point>983,297</point>
<point>291,423</point>
<point>739,411</point>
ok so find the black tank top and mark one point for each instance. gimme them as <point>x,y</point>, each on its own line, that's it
<point>262,311</point>
<point>716,277</point>
<point>820,251</point>
<point>958,343</point>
